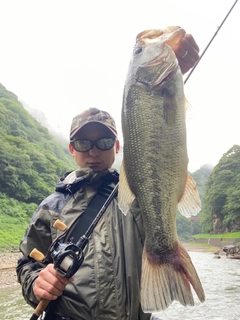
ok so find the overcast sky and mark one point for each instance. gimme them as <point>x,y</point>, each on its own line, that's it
<point>62,57</point>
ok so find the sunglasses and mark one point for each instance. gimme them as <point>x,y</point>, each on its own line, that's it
<point>83,145</point>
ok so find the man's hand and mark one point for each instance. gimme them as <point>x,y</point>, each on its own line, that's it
<point>49,285</point>
<point>187,52</point>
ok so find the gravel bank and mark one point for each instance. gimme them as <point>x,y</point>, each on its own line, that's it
<point>8,262</point>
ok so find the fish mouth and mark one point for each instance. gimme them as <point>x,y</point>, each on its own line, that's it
<point>167,70</point>
<point>159,80</point>
<point>157,73</point>
<point>165,78</point>
<point>159,65</point>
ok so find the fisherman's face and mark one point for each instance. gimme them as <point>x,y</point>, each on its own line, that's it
<point>97,160</point>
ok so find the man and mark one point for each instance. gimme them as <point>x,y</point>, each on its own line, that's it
<point>107,284</point>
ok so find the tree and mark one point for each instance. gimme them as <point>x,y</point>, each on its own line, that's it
<point>221,211</point>
<point>200,177</point>
<point>184,227</point>
<point>31,160</point>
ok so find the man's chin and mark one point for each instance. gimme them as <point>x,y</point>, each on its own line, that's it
<point>97,168</point>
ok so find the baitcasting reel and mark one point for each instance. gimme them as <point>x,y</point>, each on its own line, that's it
<point>67,258</point>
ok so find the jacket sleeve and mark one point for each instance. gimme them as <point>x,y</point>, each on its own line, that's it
<point>37,236</point>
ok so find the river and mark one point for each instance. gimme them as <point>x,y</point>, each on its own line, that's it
<point>220,279</point>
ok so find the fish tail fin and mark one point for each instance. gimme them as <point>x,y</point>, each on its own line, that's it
<point>166,281</point>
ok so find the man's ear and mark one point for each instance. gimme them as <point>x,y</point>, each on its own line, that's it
<point>117,146</point>
<point>70,147</point>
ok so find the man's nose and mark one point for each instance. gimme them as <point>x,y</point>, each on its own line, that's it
<point>94,151</point>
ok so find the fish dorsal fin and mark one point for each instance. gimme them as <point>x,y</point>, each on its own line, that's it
<point>125,195</point>
<point>190,203</point>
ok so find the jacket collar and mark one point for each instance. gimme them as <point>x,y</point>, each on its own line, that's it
<point>71,181</point>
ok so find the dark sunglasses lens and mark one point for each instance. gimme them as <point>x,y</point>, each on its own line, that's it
<point>82,145</point>
<point>105,143</point>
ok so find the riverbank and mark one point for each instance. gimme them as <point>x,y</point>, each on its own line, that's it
<point>8,262</point>
<point>201,247</point>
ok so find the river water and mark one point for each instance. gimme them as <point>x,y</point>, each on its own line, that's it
<point>220,279</point>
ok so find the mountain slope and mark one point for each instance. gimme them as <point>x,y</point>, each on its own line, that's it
<point>31,160</point>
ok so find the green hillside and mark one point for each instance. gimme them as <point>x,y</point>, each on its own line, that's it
<point>221,211</point>
<point>31,162</point>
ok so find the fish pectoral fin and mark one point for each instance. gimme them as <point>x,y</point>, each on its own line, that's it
<point>125,195</point>
<point>190,203</point>
<point>187,105</point>
<point>169,280</point>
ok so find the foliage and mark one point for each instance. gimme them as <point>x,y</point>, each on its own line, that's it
<point>221,212</point>
<point>187,228</point>
<point>11,231</point>
<point>15,208</point>
<point>15,217</point>
<point>31,160</point>
<point>184,227</point>
<point>200,177</point>
<point>196,226</point>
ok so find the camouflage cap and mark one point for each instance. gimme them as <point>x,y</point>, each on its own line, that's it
<point>92,115</point>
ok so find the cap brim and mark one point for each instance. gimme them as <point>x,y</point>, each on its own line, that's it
<point>74,132</point>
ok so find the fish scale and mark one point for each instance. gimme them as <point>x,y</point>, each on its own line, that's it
<point>154,169</point>
<point>151,179</point>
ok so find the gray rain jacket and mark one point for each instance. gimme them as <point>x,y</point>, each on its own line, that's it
<point>106,286</point>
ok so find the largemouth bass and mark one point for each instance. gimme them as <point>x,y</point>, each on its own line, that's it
<point>154,168</point>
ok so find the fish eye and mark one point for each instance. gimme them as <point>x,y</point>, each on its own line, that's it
<point>138,50</point>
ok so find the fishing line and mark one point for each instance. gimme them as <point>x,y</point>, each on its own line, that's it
<point>218,28</point>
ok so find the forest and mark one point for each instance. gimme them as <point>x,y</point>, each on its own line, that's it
<point>32,160</point>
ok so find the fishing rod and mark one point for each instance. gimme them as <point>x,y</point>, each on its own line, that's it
<point>218,28</point>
